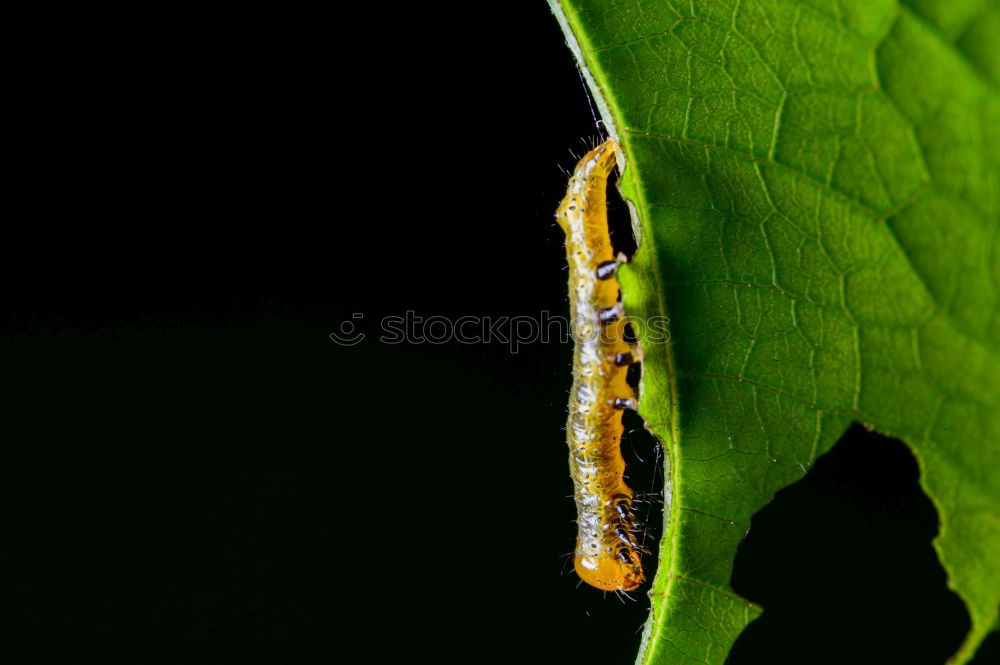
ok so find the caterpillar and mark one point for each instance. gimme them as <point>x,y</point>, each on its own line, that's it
<point>607,555</point>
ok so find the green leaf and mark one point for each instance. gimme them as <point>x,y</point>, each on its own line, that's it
<point>817,185</point>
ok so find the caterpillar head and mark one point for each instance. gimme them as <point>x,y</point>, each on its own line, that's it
<point>621,571</point>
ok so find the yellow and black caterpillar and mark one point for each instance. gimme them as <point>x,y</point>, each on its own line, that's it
<point>607,553</point>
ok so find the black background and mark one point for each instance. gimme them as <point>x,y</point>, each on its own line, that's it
<point>197,473</point>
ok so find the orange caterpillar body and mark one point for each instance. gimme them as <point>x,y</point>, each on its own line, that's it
<point>607,554</point>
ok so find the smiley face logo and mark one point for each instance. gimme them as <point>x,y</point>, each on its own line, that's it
<point>347,333</point>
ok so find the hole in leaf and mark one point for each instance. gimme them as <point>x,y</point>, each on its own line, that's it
<point>843,566</point>
<point>619,219</point>
<point>643,457</point>
<point>988,652</point>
